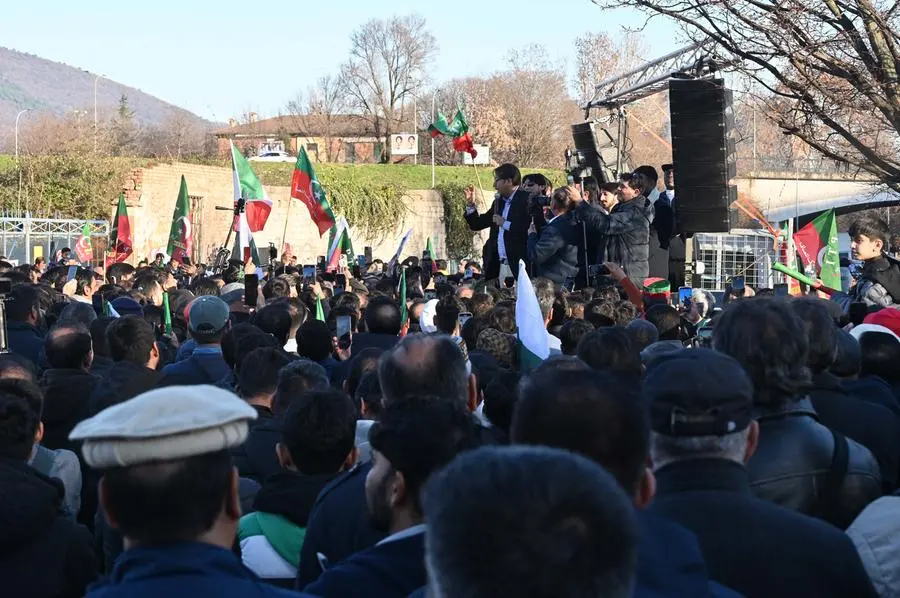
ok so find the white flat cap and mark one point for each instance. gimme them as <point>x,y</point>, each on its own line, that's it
<point>164,424</point>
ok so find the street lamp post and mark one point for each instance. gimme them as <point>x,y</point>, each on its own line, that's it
<point>18,116</point>
<point>96,81</point>
<point>433,104</point>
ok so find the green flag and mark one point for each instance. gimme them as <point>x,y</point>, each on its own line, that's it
<point>320,313</point>
<point>404,313</point>
<point>430,249</point>
<point>167,313</point>
<point>817,244</point>
<point>180,237</point>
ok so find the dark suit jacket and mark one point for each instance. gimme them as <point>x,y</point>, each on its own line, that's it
<point>554,251</point>
<point>514,239</point>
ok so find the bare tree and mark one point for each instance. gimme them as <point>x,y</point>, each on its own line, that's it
<point>598,57</point>
<point>827,72</point>
<point>322,112</point>
<point>387,58</point>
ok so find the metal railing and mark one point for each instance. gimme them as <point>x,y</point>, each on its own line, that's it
<point>22,238</point>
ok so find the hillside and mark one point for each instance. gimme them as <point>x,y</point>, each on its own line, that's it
<point>31,82</point>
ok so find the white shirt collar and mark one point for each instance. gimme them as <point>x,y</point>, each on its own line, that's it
<point>554,218</point>
<point>405,533</point>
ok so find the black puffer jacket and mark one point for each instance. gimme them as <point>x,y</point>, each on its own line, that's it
<point>42,554</point>
<point>67,395</point>
<point>627,233</point>
<point>792,461</point>
<point>123,381</point>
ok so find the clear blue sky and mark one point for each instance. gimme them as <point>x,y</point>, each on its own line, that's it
<point>221,58</point>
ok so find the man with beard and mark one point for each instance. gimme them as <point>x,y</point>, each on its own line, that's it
<point>412,439</point>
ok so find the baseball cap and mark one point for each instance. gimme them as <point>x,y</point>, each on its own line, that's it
<point>207,314</point>
<point>698,392</point>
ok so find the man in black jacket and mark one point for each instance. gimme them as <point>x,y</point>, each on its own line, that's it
<point>702,436</point>
<point>799,463</point>
<point>41,552</point>
<point>132,345</point>
<point>626,228</point>
<point>554,251</point>
<point>22,317</point>
<point>67,384</point>
<point>508,220</point>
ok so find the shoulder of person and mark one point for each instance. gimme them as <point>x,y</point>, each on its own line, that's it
<point>354,473</point>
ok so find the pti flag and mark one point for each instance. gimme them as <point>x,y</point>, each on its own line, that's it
<point>404,310</point>
<point>180,239</point>
<point>246,246</point>
<point>247,186</point>
<point>457,129</point>
<point>83,248</point>
<point>817,244</point>
<point>305,186</point>
<point>120,237</point>
<point>396,259</point>
<point>533,344</point>
<point>339,244</point>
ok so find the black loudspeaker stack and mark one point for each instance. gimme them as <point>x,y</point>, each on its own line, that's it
<point>703,154</point>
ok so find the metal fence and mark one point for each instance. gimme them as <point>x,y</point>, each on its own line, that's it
<point>743,252</point>
<point>26,238</point>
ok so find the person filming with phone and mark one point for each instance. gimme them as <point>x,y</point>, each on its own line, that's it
<point>554,250</point>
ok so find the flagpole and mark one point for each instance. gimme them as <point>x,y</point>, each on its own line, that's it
<point>478,178</point>
<point>286,217</point>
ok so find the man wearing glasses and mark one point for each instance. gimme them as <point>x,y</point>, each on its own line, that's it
<point>508,220</point>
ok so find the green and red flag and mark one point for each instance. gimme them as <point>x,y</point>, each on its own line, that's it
<point>83,248</point>
<point>457,130</point>
<point>339,244</point>
<point>180,237</point>
<point>817,244</point>
<point>305,186</point>
<point>257,204</point>
<point>120,237</point>
<point>533,344</point>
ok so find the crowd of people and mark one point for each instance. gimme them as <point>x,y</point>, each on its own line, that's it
<point>165,431</point>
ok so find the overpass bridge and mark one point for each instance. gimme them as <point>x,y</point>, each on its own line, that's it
<point>794,188</point>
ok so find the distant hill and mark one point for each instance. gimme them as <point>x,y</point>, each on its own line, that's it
<point>31,82</point>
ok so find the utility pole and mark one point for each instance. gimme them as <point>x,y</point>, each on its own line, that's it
<point>18,116</point>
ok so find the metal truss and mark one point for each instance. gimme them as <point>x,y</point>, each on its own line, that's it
<point>695,61</point>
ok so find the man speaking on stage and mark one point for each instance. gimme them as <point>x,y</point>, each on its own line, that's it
<point>554,250</point>
<point>508,220</point>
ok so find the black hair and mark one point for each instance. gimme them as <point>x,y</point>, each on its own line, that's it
<point>446,314</point>
<point>13,365</point>
<point>274,320</point>
<point>98,335</point>
<point>600,312</point>
<point>767,338</point>
<point>847,357</point>
<point>667,322</point>
<point>536,178</point>
<point>360,364</point>
<point>277,287</point>
<point>296,378</point>
<point>595,413</point>
<point>116,272</point>
<point>342,310</point>
<point>503,318</point>
<point>319,431</point>
<point>21,300</point>
<point>508,171</point>
<point>167,502</point>
<point>21,405</point>
<point>130,338</point>
<point>383,316</point>
<point>571,334</point>
<point>647,171</point>
<point>420,434</point>
<point>529,521</point>
<point>424,364</point>
<point>625,312</point>
<point>820,330</point>
<point>613,350</point>
<point>561,311</point>
<point>314,340</point>
<point>643,333</point>
<point>78,313</point>
<point>242,338</point>
<point>84,279</point>
<point>68,346</point>
<point>259,371</point>
<point>144,284</point>
<point>880,354</point>
<point>500,397</point>
<point>545,291</point>
<point>350,300</point>
<point>205,286</point>
<point>873,227</point>
<point>368,393</point>
<point>481,304</point>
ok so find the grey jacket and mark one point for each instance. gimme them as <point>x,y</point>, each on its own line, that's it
<point>62,465</point>
<point>876,534</point>
<point>627,233</point>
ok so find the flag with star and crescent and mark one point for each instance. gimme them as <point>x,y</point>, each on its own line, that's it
<point>180,238</point>
<point>305,186</point>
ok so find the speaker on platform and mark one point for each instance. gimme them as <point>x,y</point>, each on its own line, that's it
<point>596,147</point>
<point>702,153</point>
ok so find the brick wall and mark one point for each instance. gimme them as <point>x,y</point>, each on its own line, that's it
<point>151,193</point>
